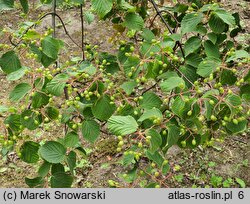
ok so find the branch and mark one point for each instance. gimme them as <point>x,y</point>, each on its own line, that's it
<point>166,24</point>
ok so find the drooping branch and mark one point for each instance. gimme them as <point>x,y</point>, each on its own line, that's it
<point>82,27</point>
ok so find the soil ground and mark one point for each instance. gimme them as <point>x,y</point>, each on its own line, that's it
<point>228,160</point>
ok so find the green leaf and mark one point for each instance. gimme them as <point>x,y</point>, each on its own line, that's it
<point>241,182</point>
<point>6,4</point>
<point>155,141</point>
<point>19,92</point>
<point>90,130</point>
<point>102,7</point>
<point>133,21</point>
<point>53,152</point>
<point>155,157</point>
<point>233,100</point>
<point>225,17</point>
<point>33,120</point>
<point>212,37</point>
<point>51,47</point>
<point>178,106</point>
<point>44,169</point>
<point>71,160</point>
<point>37,182</point>
<point>128,87</point>
<point>14,121</point>
<point>89,17</point>
<point>191,45</point>
<point>238,54</point>
<point>150,114</point>
<point>216,24</point>
<point>102,109</point>
<point>88,68</point>
<point>190,21</point>
<point>207,67</point>
<point>57,168</point>
<point>240,127</point>
<point>25,5</point>
<point>9,62</point>
<point>52,113</point>
<point>122,125</point>
<point>18,74</point>
<point>29,152</point>
<point>57,84</point>
<point>193,60</point>
<point>173,135</point>
<point>61,180</point>
<point>3,109</point>
<point>211,49</point>
<point>39,99</point>
<point>171,83</point>
<point>71,139</point>
<point>148,35</point>
<point>150,100</point>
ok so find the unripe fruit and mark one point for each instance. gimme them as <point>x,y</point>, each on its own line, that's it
<point>211,102</point>
<point>193,142</point>
<point>121,143</point>
<point>235,121</point>
<point>153,165</point>
<point>26,118</point>
<point>183,143</point>
<point>157,174</point>
<point>213,118</point>
<point>189,113</point>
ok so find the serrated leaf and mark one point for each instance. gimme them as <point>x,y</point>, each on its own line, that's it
<point>150,113</point>
<point>88,68</point>
<point>211,49</point>
<point>216,24</point>
<point>25,5</point>
<point>236,128</point>
<point>57,84</point>
<point>173,135</point>
<point>37,182</point>
<point>51,46</point>
<point>122,125</point>
<point>53,152</point>
<point>190,21</point>
<point>44,169</point>
<point>39,99</point>
<point>89,17</point>
<point>18,74</point>
<point>150,100</point>
<point>103,109</point>
<point>9,62</point>
<point>128,87</point>
<point>155,157</point>
<point>33,120</point>
<point>29,152</point>
<point>238,54</point>
<point>155,141</point>
<point>171,83</point>
<point>71,160</point>
<point>6,4</point>
<point>191,45</point>
<point>19,92</point>
<point>207,67</point>
<point>102,7</point>
<point>90,130</point>
<point>71,139</point>
<point>133,21</point>
<point>61,180</point>
<point>233,100</point>
<point>225,17</point>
